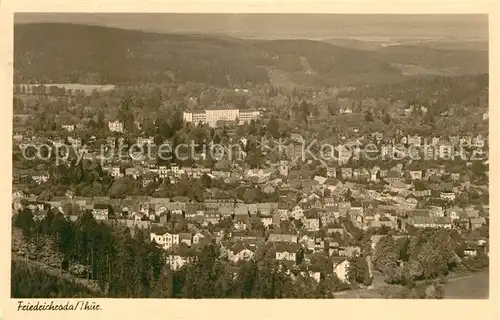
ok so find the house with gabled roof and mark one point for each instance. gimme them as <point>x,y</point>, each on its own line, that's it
<point>340,267</point>
<point>285,251</point>
<point>394,177</point>
<point>284,208</point>
<point>241,222</point>
<point>100,211</point>
<point>430,222</point>
<point>349,251</point>
<point>421,190</point>
<point>240,251</point>
<point>180,257</point>
<point>329,202</point>
<point>211,217</point>
<point>267,208</point>
<point>279,237</point>
<point>199,235</point>
<point>356,208</point>
<point>186,237</point>
<point>331,172</point>
<point>241,209</point>
<point>346,173</point>
<point>163,238</point>
<point>297,212</point>
<point>476,223</point>
<point>332,183</point>
<point>226,212</point>
<point>311,220</point>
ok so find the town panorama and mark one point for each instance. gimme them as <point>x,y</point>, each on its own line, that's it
<point>336,156</point>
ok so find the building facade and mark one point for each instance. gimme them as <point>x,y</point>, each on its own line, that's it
<point>213,116</point>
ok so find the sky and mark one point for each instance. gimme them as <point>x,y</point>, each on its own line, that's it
<point>276,26</point>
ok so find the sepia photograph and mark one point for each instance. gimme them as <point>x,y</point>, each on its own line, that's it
<point>249,156</point>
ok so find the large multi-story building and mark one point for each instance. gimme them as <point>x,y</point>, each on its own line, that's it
<point>248,115</point>
<point>213,116</point>
<point>115,126</point>
<point>163,238</point>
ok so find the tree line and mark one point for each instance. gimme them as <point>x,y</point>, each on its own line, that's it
<point>127,265</point>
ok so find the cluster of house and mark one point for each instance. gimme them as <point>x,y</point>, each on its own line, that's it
<point>347,106</point>
<point>377,195</point>
<point>401,146</point>
<point>390,196</point>
<point>238,246</point>
<point>119,165</point>
<point>317,217</point>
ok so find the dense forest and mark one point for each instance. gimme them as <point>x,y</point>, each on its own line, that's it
<point>439,91</point>
<point>107,55</point>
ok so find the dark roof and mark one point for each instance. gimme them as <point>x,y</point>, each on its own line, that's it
<point>285,247</point>
<point>446,186</point>
<point>419,213</point>
<point>393,174</point>
<point>479,220</point>
<point>356,204</point>
<point>437,202</point>
<point>158,230</point>
<point>337,260</point>
<point>435,178</point>
<point>311,214</point>
<point>419,186</point>
<point>185,235</point>
<point>331,182</point>
<point>180,199</point>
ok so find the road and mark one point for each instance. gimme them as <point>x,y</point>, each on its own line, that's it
<point>306,66</point>
<point>473,286</point>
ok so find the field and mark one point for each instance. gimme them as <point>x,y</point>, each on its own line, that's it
<point>475,286</point>
<point>472,286</point>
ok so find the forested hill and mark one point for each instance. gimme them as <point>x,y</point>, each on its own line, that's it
<point>63,53</point>
<point>70,53</point>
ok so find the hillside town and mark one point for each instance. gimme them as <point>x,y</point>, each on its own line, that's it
<point>289,205</point>
<point>210,191</point>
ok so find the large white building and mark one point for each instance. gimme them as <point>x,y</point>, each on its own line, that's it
<point>115,126</point>
<point>212,116</point>
<point>164,239</point>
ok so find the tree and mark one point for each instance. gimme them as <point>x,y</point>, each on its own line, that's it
<point>387,118</point>
<point>434,291</point>
<point>368,116</point>
<point>332,108</point>
<point>206,181</point>
<point>436,254</point>
<point>385,256</point>
<point>273,127</point>
<point>100,120</point>
<point>24,220</point>
<point>358,271</point>
<point>321,171</point>
<point>251,195</point>
<point>325,289</point>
